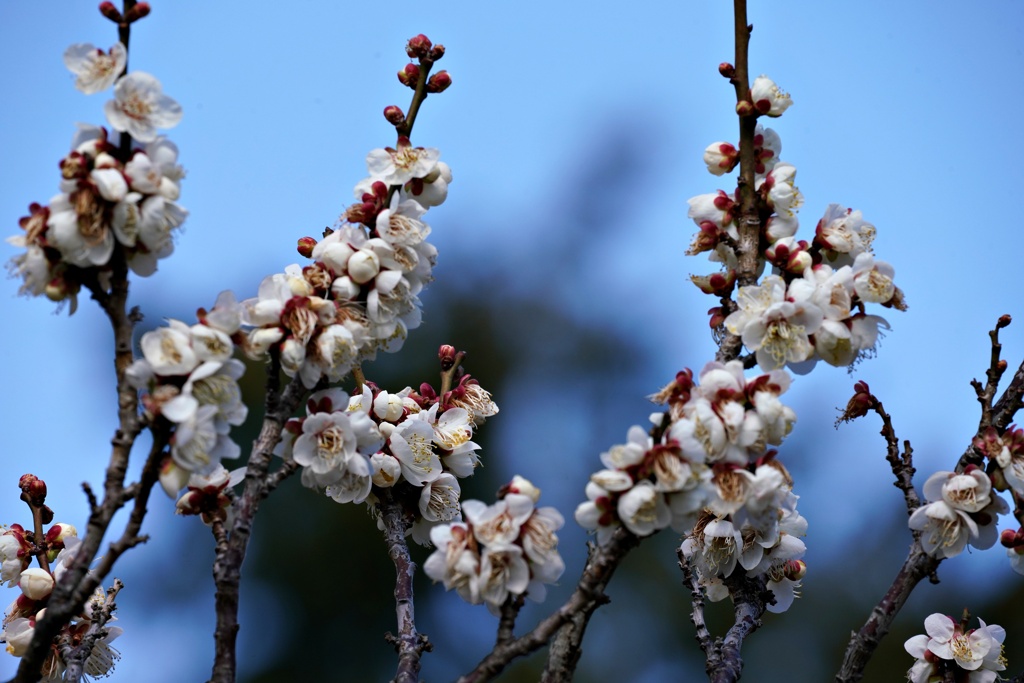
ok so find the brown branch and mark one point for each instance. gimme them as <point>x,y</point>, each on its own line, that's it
<point>902,465</point>
<point>409,643</point>
<point>509,612</point>
<point>230,552</point>
<point>78,584</point>
<point>863,643</point>
<point>569,621</point>
<point>703,635</point>
<point>76,657</point>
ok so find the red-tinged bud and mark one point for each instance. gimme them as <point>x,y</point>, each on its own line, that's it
<point>717,319</point>
<point>108,10</point>
<point>795,570</point>
<point>1001,365</point>
<point>718,284</point>
<point>521,486</point>
<point>859,405</point>
<point>1008,538</point>
<point>439,82</point>
<point>446,354</point>
<point>418,46</point>
<point>727,70</point>
<point>137,12</point>
<point>305,246</point>
<point>57,289</point>
<point>394,115</point>
<point>409,75</point>
<point>436,52</point>
<point>745,108</point>
<point>427,392</point>
<point>33,489</point>
<point>46,514</point>
<point>1004,321</point>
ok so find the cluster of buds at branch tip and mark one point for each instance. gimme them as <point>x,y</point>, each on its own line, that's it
<point>135,13</point>
<point>33,490</point>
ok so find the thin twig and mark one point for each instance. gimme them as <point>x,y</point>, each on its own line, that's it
<point>509,612</point>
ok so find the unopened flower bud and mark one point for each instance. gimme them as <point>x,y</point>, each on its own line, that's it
<point>305,246</point>
<point>36,583</point>
<point>768,98</point>
<point>343,289</point>
<point>446,354</point>
<point>1004,321</point>
<point>33,487</point>
<point>523,487</point>
<point>1008,538</point>
<point>137,12</point>
<point>363,266</point>
<point>386,469</point>
<point>744,108</point>
<point>418,46</point>
<point>436,52</point>
<point>394,115</point>
<point>409,75</point>
<point>56,289</point>
<point>108,10</point>
<point>172,477</point>
<point>795,570</point>
<point>717,319</point>
<point>727,69</point>
<point>58,532</point>
<point>721,157</point>
<point>439,82</point>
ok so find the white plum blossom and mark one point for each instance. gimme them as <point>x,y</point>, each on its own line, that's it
<point>977,652</point>
<point>944,529</point>
<point>643,510</point>
<point>774,327</point>
<point>399,166</point>
<point>95,69</point>
<point>843,234</point>
<point>508,548</point>
<point>140,107</point>
<point>768,99</point>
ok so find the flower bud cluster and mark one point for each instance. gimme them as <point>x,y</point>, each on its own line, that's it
<point>191,380</point>
<point>949,651</point>
<point>812,306</point>
<point>360,294</point>
<point>61,543</point>
<point>961,510</point>
<point>110,196</point>
<point>500,550</point>
<point>709,476</point>
<point>418,444</point>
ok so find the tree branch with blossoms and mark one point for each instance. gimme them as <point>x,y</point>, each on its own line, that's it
<point>708,465</point>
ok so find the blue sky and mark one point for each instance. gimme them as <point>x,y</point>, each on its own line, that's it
<point>906,111</point>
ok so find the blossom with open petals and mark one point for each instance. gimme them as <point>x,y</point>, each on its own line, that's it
<point>140,107</point>
<point>96,70</point>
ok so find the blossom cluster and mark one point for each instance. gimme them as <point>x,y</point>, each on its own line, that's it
<point>710,475</point>
<point>974,655</point>
<point>36,584</point>
<point>812,306</point>
<point>112,196</point>
<point>360,293</point>
<point>500,550</point>
<point>416,442</point>
<point>190,378</point>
